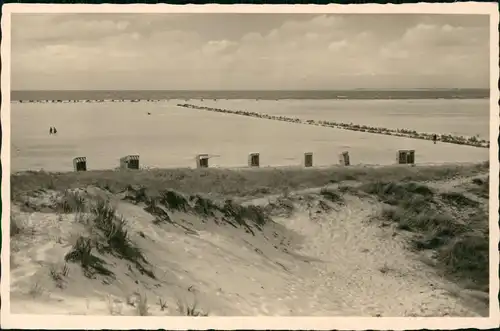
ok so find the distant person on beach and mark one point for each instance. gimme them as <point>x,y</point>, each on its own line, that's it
<point>51,131</point>
<point>55,130</point>
<point>434,138</point>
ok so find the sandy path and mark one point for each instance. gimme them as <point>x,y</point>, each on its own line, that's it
<point>368,268</point>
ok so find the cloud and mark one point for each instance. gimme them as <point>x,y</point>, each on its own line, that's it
<point>337,45</point>
<point>288,52</point>
<point>444,35</point>
<point>217,47</point>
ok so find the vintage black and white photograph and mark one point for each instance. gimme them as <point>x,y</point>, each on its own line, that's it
<point>265,163</point>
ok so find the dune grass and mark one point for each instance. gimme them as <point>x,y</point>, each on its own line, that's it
<point>234,182</point>
<point>480,187</point>
<point>282,206</point>
<point>108,235</point>
<point>459,239</point>
<point>70,202</point>
<point>58,274</point>
<point>82,253</point>
<point>168,201</point>
<point>459,199</point>
<point>460,245</point>
<point>114,231</point>
<point>330,195</point>
<point>142,307</point>
<point>15,227</point>
<point>203,206</point>
<point>190,310</point>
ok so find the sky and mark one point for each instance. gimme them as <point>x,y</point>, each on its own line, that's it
<point>248,51</point>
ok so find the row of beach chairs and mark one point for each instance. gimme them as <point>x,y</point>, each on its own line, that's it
<point>202,160</point>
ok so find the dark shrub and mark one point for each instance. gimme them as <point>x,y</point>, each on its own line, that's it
<point>203,206</point>
<point>81,253</point>
<point>70,202</point>
<point>174,200</point>
<point>459,199</point>
<point>331,195</point>
<point>468,256</point>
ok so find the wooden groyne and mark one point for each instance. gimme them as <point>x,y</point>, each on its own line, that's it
<point>406,133</point>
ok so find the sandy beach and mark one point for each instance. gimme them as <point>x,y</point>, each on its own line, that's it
<point>104,132</point>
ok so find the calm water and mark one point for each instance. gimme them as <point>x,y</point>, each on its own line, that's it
<point>172,136</point>
<point>248,95</point>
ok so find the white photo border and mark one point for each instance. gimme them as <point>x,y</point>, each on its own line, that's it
<point>24,321</point>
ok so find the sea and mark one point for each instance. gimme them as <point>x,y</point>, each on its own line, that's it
<point>262,95</point>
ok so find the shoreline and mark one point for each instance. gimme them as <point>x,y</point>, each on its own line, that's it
<point>371,98</point>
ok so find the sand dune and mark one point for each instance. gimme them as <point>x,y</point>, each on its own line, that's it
<point>317,251</point>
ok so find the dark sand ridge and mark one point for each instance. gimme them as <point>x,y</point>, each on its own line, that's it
<point>320,242</point>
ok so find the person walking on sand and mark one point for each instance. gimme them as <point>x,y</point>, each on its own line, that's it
<point>434,138</point>
<point>50,131</point>
<point>55,130</point>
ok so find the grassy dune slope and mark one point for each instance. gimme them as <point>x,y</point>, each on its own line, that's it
<point>252,242</point>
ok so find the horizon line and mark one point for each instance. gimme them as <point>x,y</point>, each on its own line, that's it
<point>266,90</point>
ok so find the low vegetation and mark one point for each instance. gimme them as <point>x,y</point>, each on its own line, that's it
<point>82,253</point>
<point>142,306</point>
<point>35,290</point>
<point>453,223</point>
<point>203,206</point>
<point>458,199</point>
<point>461,246</point>
<point>282,206</point>
<point>168,201</point>
<point>15,227</point>
<point>330,195</point>
<point>190,310</point>
<point>233,183</point>
<point>70,202</point>
<point>480,187</point>
<point>108,235</point>
<point>59,274</point>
